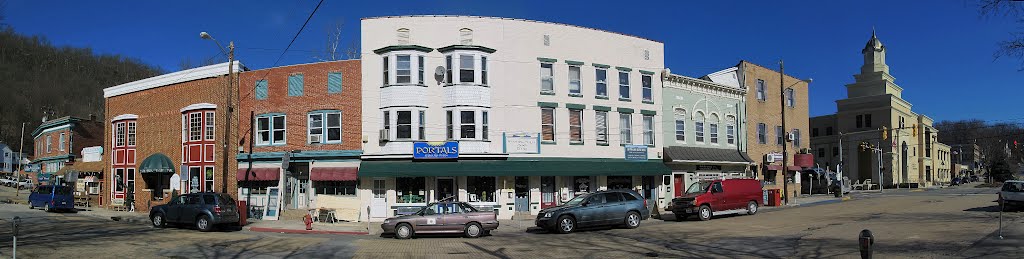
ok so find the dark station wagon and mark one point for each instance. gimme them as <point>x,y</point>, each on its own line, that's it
<point>203,210</point>
<point>440,218</point>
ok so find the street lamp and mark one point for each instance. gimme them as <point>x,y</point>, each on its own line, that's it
<point>782,101</point>
<point>227,119</point>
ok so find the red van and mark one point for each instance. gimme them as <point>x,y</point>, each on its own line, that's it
<point>707,198</point>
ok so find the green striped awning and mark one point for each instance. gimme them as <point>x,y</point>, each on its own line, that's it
<point>545,167</point>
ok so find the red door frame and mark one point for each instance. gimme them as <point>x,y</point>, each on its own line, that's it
<point>198,153</point>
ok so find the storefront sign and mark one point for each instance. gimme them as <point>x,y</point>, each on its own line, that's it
<point>44,177</point>
<point>709,168</point>
<point>435,150</point>
<point>636,152</point>
<point>521,143</point>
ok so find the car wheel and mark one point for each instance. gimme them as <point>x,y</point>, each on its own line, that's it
<point>403,231</point>
<point>46,207</point>
<point>632,219</point>
<point>30,206</point>
<point>704,213</point>
<point>203,223</point>
<point>751,208</point>
<point>566,224</point>
<point>158,220</point>
<point>473,230</point>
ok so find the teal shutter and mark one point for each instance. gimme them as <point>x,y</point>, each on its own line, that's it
<point>334,82</point>
<point>295,85</point>
<point>261,89</point>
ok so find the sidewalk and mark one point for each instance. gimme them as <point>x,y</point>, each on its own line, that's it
<point>991,246</point>
<point>121,216</point>
<point>299,227</point>
<point>816,199</point>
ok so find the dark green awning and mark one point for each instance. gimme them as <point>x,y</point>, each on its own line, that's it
<point>157,163</point>
<point>545,167</point>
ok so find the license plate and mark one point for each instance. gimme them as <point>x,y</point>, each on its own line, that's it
<point>63,203</point>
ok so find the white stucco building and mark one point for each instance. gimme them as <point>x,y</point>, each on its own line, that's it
<point>537,112</point>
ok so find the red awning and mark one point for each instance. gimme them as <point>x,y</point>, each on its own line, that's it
<point>260,174</point>
<point>774,167</point>
<point>795,168</point>
<point>333,173</point>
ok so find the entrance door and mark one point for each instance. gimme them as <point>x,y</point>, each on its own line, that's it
<point>547,192</point>
<point>678,184</point>
<point>906,169</point>
<point>522,193</point>
<point>446,189</point>
<point>379,204</point>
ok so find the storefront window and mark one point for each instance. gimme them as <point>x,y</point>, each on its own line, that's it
<point>258,187</point>
<point>335,187</point>
<point>620,182</point>
<point>583,184</point>
<point>411,189</point>
<point>480,188</point>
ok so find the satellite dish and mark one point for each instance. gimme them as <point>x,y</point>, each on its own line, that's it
<point>666,72</point>
<point>440,74</point>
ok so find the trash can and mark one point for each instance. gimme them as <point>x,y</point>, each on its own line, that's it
<point>776,197</point>
<point>243,213</point>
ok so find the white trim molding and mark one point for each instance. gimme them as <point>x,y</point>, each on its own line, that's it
<point>199,106</point>
<point>125,117</point>
<point>172,78</point>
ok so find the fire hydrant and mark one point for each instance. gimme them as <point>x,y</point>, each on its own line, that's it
<point>309,222</point>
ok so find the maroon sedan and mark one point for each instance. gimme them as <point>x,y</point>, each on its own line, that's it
<point>442,218</point>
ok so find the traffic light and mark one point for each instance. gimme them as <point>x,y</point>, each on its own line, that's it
<point>915,130</point>
<point>885,133</point>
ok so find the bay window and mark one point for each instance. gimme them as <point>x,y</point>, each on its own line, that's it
<point>448,69</point>
<point>467,124</point>
<point>209,126</point>
<point>403,125</point>
<point>119,136</point>
<point>403,72</point>
<point>483,70</point>
<point>420,64</point>
<point>483,116</point>
<point>451,128</point>
<point>423,122</point>
<point>387,78</point>
<point>195,122</point>
<point>467,73</point>
<point>131,133</point>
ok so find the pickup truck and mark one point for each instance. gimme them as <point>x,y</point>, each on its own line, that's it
<point>1012,194</point>
<point>7,181</point>
<point>25,184</point>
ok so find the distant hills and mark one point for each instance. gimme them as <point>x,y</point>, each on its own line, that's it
<point>37,77</point>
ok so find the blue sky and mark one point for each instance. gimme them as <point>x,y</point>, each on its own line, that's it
<point>939,51</point>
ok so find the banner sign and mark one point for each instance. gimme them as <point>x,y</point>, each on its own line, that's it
<point>435,150</point>
<point>521,143</point>
<point>636,152</point>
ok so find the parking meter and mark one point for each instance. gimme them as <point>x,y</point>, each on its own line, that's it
<point>15,223</point>
<point>866,241</point>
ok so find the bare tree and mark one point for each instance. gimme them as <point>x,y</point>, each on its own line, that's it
<point>3,11</point>
<point>1013,47</point>
<point>333,49</point>
<point>187,63</point>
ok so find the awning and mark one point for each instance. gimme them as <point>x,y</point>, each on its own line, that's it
<point>539,167</point>
<point>260,174</point>
<point>773,167</point>
<point>333,173</point>
<point>82,167</point>
<point>706,155</point>
<point>779,167</point>
<point>156,163</point>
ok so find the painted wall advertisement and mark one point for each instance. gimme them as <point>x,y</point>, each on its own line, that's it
<point>435,150</point>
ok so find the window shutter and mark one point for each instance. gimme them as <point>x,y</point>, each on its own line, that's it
<point>261,89</point>
<point>334,82</point>
<point>295,85</point>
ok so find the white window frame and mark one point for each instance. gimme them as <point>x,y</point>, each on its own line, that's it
<point>410,125</point>
<point>450,122</point>
<point>680,124</point>
<point>761,91</point>
<point>210,125</point>
<point>464,68</point>
<point>195,126</point>
<point>119,135</point>
<point>547,82</point>
<point>421,129</point>
<point>698,123</point>
<point>474,125</point>
<point>484,121</point>
<point>624,85</point>
<point>780,139</point>
<point>790,97</point>
<point>407,72</point>
<point>131,134</point>
<point>648,124</point>
<point>647,91</point>
<point>575,83</point>
<point>576,127</point>
<point>730,131</point>
<point>601,81</point>
<point>270,130</point>
<point>601,125</point>
<point>60,142</point>
<point>49,144</point>
<point>420,65</point>
<point>626,128</point>
<point>323,126</point>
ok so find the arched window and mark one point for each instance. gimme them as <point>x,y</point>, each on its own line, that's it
<point>730,130</point>
<point>403,36</point>
<point>713,128</point>
<point>698,119</point>
<point>466,36</point>
<point>680,118</point>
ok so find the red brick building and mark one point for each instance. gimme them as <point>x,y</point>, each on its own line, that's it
<point>58,142</point>
<point>312,112</point>
<point>168,131</point>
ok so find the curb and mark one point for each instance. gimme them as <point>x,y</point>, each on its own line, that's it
<point>300,231</point>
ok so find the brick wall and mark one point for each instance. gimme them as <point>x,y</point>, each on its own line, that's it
<point>768,112</point>
<point>296,108</point>
<point>159,130</point>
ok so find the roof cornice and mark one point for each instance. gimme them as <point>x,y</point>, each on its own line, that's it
<point>465,47</point>
<point>172,78</point>
<point>704,84</point>
<point>402,47</point>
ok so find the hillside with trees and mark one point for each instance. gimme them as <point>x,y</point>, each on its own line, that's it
<point>38,78</point>
<point>1000,142</point>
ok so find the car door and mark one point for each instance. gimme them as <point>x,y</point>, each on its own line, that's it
<point>187,212</point>
<point>455,218</point>
<point>590,213</point>
<point>430,220</point>
<point>172,209</point>
<point>720,200</point>
<point>614,209</point>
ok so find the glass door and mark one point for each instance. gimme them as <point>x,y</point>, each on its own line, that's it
<point>446,189</point>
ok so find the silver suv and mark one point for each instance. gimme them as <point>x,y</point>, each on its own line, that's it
<point>1012,194</point>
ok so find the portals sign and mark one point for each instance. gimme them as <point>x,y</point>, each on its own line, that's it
<point>435,150</point>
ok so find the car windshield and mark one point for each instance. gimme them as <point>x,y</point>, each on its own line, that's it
<point>63,190</point>
<point>1013,187</point>
<point>698,187</point>
<point>577,200</point>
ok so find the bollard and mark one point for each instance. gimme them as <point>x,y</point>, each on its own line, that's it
<point>14,229</point>
<point>866,241</point>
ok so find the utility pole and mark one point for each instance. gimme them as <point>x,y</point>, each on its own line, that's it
<point>21,154</point>
<point>839,169</point>
<point>227,120</point>
<point>248,171</point>
<point>881,181</point>
<point>782,102</point>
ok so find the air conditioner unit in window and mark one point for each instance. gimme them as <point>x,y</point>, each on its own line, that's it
<point>314,139</point>
<point>384,135</point>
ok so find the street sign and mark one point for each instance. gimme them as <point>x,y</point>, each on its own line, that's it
<point>636,152</point>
